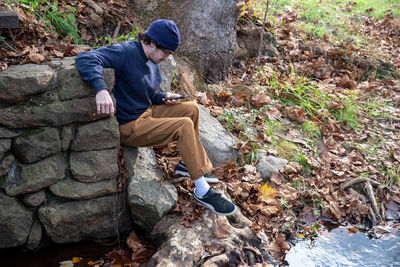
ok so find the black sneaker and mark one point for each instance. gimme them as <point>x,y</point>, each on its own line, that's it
<point>182,170</point>
<point>215,202</point>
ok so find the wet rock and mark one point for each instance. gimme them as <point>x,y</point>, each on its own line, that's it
<point>35,236</point>
<point>20,81</point>
<point>15,222</point>
<point>66,137</point>
<point>71,189</point>
<point>5,145</point>
<point>75,221</point>
<point>217,142</point>
<point>52,114</point>
<point>34,199</point>
<point>6,164</point>
<point>97,135</point>
<point>268,164</point>
<point>70,85</point>
<point>27,178</point>
<point>149,197</point>
<point>93,166</point>
<point>37,144</point>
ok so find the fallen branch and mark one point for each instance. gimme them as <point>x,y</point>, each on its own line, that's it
<point>116,31</point>
<point>373,218</point>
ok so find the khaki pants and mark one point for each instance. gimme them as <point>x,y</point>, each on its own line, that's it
<point>162,124</point>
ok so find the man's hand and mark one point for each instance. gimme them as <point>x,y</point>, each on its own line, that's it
<point>173,101</point>
<point>104,102</point>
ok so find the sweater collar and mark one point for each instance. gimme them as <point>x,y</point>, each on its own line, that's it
<point>140,47</point>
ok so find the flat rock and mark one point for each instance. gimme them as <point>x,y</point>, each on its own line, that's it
<point>74,221</point>
<point>27,178</point>
<point>5,145</point>
<point>71,189</point>
<point>34,199</point>
<point>101,134</point>
<point>268,164</point>
<point>37,144</point>
<point>21,81</point>
<point>93,166</point>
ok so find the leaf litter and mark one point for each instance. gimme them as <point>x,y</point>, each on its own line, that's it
<point>291,202</point>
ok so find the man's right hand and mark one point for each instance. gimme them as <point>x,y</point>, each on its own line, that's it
<point>104,102</point>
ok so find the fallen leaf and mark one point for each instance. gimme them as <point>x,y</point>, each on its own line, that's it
<point>267,192</point>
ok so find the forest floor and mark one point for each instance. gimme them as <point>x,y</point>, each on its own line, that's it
<point>328,103</point>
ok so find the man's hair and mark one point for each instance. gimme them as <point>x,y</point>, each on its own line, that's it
<point>144,38</point>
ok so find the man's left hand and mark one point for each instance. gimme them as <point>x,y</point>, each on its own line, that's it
<point>173,101</point>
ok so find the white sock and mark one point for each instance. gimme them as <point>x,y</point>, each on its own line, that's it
<point>202,186</point>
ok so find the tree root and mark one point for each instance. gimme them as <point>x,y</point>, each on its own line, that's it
<point>354,181</point>
<point>370,193</point>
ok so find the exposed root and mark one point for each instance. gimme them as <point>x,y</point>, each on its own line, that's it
<point>353,182</point>
<point>370,194</point>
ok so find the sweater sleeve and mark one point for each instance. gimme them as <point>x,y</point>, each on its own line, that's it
<point>156,99</point>
<point>90,64</point>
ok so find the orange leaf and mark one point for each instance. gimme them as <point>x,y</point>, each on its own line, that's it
<point>267,192</point>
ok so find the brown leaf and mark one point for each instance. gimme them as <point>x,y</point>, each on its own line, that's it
<point>276,178</point>
<point>295,113</point>
<point>260,99</point>
<point>223,229</point>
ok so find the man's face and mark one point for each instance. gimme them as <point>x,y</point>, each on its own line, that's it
<point>158,55</point>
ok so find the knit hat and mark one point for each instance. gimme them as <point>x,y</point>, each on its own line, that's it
<point>165,33</point>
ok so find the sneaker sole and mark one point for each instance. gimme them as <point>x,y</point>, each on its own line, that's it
<point>209,180</point>
<point>208,206</point>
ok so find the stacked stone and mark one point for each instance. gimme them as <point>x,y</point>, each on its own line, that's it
<point>58,158</point>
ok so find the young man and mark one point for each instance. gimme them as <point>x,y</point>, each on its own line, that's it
<point>148,117</point>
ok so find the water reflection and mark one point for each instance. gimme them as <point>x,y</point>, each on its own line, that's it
<point>343,246</point>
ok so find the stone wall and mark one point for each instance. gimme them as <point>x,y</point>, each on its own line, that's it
<point>59,172</point>
<point>58,158</point>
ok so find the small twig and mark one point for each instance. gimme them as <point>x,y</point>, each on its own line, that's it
<point>116,31</point>
<point>265,13</point>
<point>383,212</point>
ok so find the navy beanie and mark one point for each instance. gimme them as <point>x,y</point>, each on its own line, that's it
<point>165,33</point>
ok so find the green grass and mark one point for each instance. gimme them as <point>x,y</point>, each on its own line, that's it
<point>54,20</point>
<point>336,18</point>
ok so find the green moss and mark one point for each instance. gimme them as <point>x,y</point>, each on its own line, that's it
<point>285,149</point>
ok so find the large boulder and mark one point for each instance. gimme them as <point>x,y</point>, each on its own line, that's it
<point>101,134</point>
<point>20,81</point>
<point>149,197</point>
<point>37,144</point>
<point>207,31</point>
<point>93,166</point>
<point>217,142</point>
<point>27,178</point>
<point>15,222</point>
<point>75,221</point>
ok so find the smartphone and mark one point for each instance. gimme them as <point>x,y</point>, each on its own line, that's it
<point>173,98</point>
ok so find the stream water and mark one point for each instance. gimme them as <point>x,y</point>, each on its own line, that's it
<point>333,246</point>
<point>346,246</point>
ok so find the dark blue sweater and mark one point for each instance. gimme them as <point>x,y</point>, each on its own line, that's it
<point>136,77</point>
